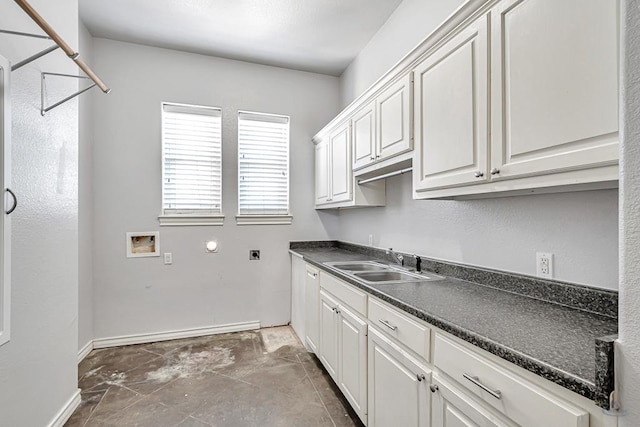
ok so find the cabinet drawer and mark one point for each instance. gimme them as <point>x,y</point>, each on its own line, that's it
<point>348,294</point>
<point>517,398</point>
<point>400,326</point>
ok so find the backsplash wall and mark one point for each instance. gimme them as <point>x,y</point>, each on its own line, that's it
<point>580,229</point>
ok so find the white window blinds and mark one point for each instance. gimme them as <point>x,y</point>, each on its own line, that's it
<point>263,166</point>
<point>191,159</point>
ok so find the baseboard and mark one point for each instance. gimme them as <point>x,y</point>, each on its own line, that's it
<point>66,412</point>
<point>84,351</point>
<point>172,335</point>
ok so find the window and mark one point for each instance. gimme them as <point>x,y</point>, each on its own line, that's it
<point>191,165</point>
<point>263,169</point>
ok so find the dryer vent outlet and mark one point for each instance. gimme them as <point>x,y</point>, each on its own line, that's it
<point>254,254</point>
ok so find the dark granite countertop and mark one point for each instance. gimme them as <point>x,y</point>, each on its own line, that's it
<point>551,340</point>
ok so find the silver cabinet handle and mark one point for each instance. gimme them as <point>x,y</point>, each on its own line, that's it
<point>479,174</point>
<point>476,381</point>
<point>433,388</point>
<point>420,377</point>
<point>494,171</point>
<point>372,158</point>
<point>15,201</point>
<point>388,325</point>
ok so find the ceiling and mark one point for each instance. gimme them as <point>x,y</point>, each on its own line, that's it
<point>321,36</point>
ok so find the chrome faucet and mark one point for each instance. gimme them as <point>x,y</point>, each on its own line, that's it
<point>399,259</point>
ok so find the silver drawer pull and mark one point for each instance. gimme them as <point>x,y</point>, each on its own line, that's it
<point>475,380</point>
<point>420,377</point>
<point>388,325</point>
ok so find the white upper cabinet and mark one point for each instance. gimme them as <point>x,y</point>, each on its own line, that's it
<point>364,136</point>
<point>336,186</point>
<point>340,164</point>
<point>535,109</point>
<point>322,172</point>
<point>393,113</point>
<point>451,126</point>
<point>554,86</point>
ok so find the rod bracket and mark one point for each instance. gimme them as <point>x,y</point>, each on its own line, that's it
<point>44,108</point>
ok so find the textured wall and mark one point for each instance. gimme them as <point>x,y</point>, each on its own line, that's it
<point>409,24</point>
<point>38,366</point>
<point>629,363</point>
<point>580,229</point>
<point>85,199</point>
<point>142,295</point>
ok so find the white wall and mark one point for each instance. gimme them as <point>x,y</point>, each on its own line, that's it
<point>580,229</point>
<point>409,24</point>
<point>85,200</point>
<point>38,366</point>
<point>628,362</point>
<point>142,295</point>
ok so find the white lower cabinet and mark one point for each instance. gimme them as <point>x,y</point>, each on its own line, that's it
<point>398,385</point>
<point>452,408</point>
<point>343,350</point>
<point>311,304</point>
<point>379,356</point>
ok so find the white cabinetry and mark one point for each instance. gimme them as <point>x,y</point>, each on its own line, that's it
<point>335,183</point>
<point>453,408</point>
<point>545,117</point>
<point>398,385</point>
<point>298,303</point>
<point>364,136</point>
<point>452,112</point>
<point>382,128</point>
<point>5,183</point>
<point>340,178</point>
<point>554,86</point>
<point>393,114</point>
<point>513,396</point>
<point>312,304</point>
<point>343,346</point>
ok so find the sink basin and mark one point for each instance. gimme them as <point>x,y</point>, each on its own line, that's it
<point>375,272</point>
<point>353,266</point>
<point>388,276</point>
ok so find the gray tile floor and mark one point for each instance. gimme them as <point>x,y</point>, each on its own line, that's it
<point>221,380</point>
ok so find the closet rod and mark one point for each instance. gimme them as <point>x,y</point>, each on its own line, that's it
<point>29,10</point>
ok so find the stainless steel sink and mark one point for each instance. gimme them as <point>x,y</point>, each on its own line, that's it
<point>388,276</point>
<point>353,266</point>
<point>375,272</point>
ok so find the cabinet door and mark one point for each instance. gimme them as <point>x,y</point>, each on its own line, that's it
<point>329,334</point>
<point>352,365</point>
<point>298,303</point>
<point>340,164</point>
<point>451,108</point>
<point>364,136</point>
<point>398,386</point>
<point>453,408</point>
<point>322,172</point>
<point>554,86</point>
<point>5,182</point>
<point>393,111</point>
<point>312,307</point>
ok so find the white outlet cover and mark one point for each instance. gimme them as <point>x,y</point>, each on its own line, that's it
<point>544,265</point>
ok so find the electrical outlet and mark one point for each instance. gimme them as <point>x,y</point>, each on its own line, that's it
<point>544,265</point>
<point>168,258</point>
<point>254,254</point>
<point>370,239</point>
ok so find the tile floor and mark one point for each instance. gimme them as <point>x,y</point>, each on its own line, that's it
<point>237,379</point>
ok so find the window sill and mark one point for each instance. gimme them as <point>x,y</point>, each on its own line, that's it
<point>264,219</point>
<point>190,220</point>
